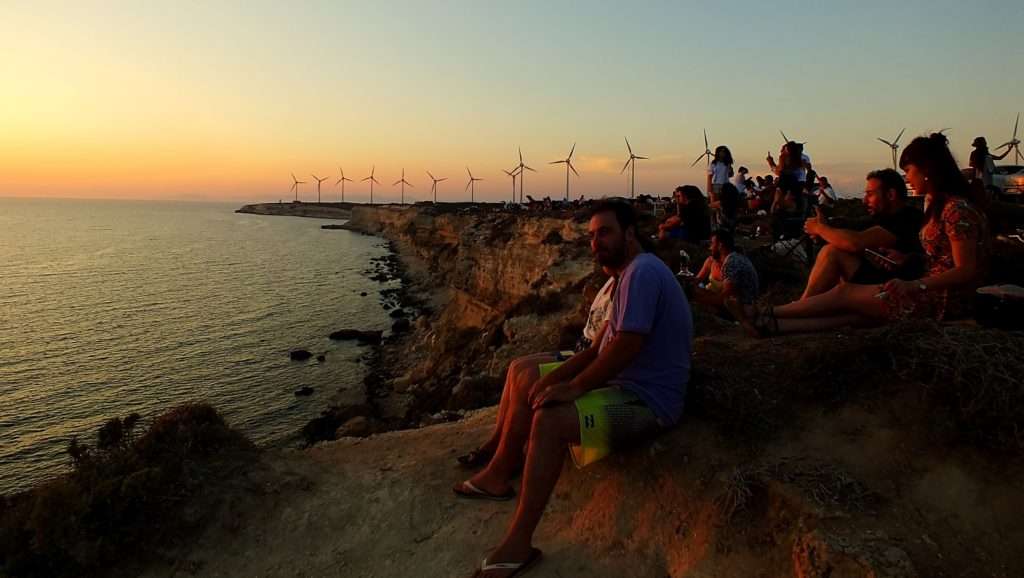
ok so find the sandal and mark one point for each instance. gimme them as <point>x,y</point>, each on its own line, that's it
<point>468,490</point>
<point>518,568</point>
<point>476,458</point>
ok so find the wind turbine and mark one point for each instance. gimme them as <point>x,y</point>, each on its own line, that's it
<point>786,139</point>
<point>1014,144</point>
<point>522,176</point>
<point>318,181</point>
<point>403,183</point>
<point>568,165</point>
<point>471,186</point>
<point>706,153</point>
<point>513,173</point>
<point>433,188</point>
<point>342,181</point>
<point>372,180</point>
<point>631,162</point>
<point>895,144</point>
<point>295,186</point>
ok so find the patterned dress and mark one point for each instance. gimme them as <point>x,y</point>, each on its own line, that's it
<point>959,221</point>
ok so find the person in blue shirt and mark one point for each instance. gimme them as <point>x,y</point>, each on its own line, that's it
<point>627,387</point>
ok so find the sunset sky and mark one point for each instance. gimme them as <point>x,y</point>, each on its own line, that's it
<point>222,100</point>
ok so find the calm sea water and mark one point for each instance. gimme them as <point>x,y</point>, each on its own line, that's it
<point>112,307</point>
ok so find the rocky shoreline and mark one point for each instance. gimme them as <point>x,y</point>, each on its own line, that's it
<point>300,209</point>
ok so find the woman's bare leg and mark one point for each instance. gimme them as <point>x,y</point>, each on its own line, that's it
<point>843,299</point>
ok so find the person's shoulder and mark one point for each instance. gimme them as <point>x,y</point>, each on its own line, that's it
<point>650,265</point>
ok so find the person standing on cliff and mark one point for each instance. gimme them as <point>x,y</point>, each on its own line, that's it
<point>627,387</point>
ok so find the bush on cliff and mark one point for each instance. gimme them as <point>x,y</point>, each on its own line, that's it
<point>125,493</point>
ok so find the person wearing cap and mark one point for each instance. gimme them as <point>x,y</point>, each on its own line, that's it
<point>983,162</point>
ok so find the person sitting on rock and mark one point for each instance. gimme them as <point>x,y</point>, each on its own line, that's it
<point>692,220</point>
<point>736,287</point>
<point>852,255</point>
<point>525,371</point>
<point>627,387</point>
<point>956,245</point>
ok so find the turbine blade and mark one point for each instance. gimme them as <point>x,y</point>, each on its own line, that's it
<point>1015,126</point>
<point>885,141</point>
<point>520,155</point>
<point>701,157</point>
<point>529,168</point>
<point>431,176</point>
<point>572,150</point>
<point>641,158</point>
<point>785,138</point>
<point>395,183</point>
<point>625,166</point>
<point>573,169</point>
<point>628,147</point>
<point>469,183</point>
<point>898,137</point>
<point>556,162</point>
<point>444,179</point>
<point>705,139</point>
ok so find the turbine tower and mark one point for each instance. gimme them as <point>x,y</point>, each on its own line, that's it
<point>403,182</point>
<point>895,144</point>
<point>318,181</point>
<point>471,185</point>
<point>433,188</point>
<point>295,186</point>
<point>707,151</point>
<point>631,162</point>
<point>522,176</point>
<point>1014,144</point>
<point>567,161</point>
<point>342,182</point>
<point>513,173</point>
<point>372,180</point>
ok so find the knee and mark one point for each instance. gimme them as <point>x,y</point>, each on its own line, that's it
<point>828,253</point>
<point>549,422</point>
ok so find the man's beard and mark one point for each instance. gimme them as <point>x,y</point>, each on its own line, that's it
<point>612,256</point>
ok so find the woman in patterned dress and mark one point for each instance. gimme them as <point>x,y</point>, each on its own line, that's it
<point>954,238</point>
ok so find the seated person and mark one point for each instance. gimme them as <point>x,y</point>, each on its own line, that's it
<point>955,241</point>
<point>896,226</point>
<point>727,206</point>
<point>738,284</point>
<point>825,193</point>
<point>692,219</point>
<point>627,387</point>
<point>528,369</point>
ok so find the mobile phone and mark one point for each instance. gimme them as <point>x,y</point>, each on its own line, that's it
<point>881,256</point>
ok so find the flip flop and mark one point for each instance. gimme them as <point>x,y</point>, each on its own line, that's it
<point>518,568</point>
<point>475,458</point>
<point>468,490</point>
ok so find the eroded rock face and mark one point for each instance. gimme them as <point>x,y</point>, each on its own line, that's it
<point>508,285</point>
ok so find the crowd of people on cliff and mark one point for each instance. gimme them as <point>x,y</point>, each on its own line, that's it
<point>626,381</point>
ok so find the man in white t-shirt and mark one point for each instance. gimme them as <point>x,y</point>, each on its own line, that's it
<point>740,180</point>
<point>826,195</point>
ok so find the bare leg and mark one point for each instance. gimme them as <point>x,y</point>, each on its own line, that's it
<point>515,430</point>
<point>842,299</point>
<point>522,372</point>
<point>553,429</point>
<point>831,267</point>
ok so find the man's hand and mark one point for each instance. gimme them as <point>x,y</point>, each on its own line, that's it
<point>559,392</point>
<point>815,224</point>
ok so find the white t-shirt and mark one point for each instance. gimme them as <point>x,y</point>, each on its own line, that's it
<point>600,309</point>
<point>719,173</point>
<point>741,183</point>
<point>826,192</point>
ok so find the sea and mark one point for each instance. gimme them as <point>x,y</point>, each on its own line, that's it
<point>114,307</point>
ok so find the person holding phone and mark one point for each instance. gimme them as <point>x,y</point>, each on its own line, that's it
<point>955,240</point>
<point>888,249</point>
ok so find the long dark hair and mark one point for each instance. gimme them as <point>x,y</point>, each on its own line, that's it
<point>723,155</point>
<point>792,157</point>
<point>931,155</point>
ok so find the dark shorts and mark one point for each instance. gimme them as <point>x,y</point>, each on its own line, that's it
<point>868,274</point>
